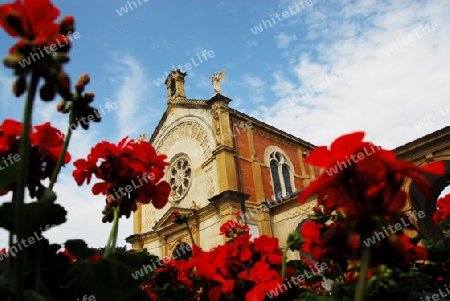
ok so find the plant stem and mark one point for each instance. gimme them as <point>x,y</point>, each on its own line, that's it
<point>22,179</point>
<point>283,264</point>
<point>11,239</point>
<point>63,151</point>
<point>111,244</point>
<point>190,233</point>
<point>363,271</point>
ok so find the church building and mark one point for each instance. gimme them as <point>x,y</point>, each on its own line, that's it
<point>223,161</point>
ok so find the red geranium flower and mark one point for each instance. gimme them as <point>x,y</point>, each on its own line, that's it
<point>10,132</point>
<point>367,181</point>
<point>231,229</point>
<point>45,149</point>
<point>32,19</point>
<point>130,172</point>
<point>312,234</point>
<point>443,209</point>
<point>68,254</point>
<point>265,279</point>
<point>362,177</point>
<point>49,141</point>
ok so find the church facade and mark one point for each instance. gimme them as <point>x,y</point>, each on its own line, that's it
<point>223,161</point>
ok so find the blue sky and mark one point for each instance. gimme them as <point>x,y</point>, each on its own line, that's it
<point>315,69</point>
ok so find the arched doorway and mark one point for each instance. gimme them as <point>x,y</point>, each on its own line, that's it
<point>299,230</point>
<point>439,187</point>
<point>182,251</point>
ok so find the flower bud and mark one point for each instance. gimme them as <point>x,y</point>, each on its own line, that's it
<point>62,57</point>
<point>19,86</point>
<point>64,85</point>
<point>79,87</point>
<point>294,241</point>
<point>12,61</point>
<point>64,44</point>
<point>63,107</point>
<point>47,91</point>
<point>66,25</point>
<point>89,96</point>
<point>22,48</point>
<point>85,79</point>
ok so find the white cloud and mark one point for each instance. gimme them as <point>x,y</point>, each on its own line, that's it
<point>384,97</point>
<point>132,97</point>
<point>256,87</point>
<point>6,96</point>
<point>283,39</point>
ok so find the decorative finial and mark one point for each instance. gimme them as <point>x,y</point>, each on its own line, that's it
<point>216,79</point>
<point>141,137</point>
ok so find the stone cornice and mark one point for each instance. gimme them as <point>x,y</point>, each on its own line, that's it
<point>191,103</point>
<point>166,218</point>
<point>421,147</point>
<point>269,132</point>
<point>229,194</point>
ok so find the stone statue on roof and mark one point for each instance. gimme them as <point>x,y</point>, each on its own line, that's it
<point>216,79</point>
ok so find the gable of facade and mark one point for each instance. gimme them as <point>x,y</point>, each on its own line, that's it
<point>221,161</point>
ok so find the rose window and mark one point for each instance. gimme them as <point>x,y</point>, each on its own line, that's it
<point>180,177</point>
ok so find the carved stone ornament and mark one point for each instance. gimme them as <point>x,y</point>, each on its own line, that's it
<point>210,189</point>
<point>180,177</point>
<point>186,130</point>
<point>216,124</point>
<point>295,212</point>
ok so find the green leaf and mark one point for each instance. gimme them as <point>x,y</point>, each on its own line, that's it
<point>79,249</point>
<point>33,295</point>
<point>7,174</point>
<point>39,216</point>
<point>110,278</point>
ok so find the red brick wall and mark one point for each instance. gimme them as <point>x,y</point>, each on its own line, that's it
<point>261,144</point>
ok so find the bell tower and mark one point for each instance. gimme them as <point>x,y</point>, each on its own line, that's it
<point>175,85</point>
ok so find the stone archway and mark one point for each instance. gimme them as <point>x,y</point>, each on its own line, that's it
<point>419,202</point>
<point>433,147</point>
<point>182,251</point>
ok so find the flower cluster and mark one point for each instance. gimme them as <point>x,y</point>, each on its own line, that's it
<point>241,270</point>
<point>34,23</point>
<point>120,167</point>
<point>45,149</point>
<point>80,105</point>
<point>234,228</point>
<point>443,211</point>
<point>360,199</point>
<point>179,218</point>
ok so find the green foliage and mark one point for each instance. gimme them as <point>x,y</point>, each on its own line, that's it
<point>7,174</point>
<point>109,278</point>
<point>40,215</point>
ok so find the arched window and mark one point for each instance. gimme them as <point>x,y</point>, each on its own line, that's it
<point>182,251</point>
<point>173,88</point>
<point>275,176</point>
<point>281,174</point>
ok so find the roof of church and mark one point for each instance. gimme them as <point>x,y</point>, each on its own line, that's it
<point>441,135</point>
<point>254,120</point>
